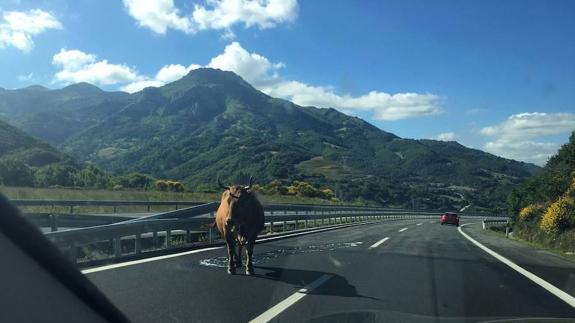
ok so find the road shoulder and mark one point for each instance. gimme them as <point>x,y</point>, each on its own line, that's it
<point>553,268</point>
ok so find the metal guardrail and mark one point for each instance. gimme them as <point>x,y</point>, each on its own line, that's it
<point>112,203</point>
<point>495,221</point>
<point>192,227</point>
<point>486,221</point>
<point>56,221</point>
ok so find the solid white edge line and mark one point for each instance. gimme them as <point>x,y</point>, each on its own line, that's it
<point>283,305</point>
<point>402,230</point>
<point>141,261</point>
<point>419,224</point>
<point>534,278</point>
<point>375,245</point>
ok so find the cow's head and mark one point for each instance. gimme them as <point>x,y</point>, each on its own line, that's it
<point>238,198</point>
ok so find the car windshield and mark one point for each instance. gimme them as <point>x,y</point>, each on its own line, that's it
<point>287,160</point>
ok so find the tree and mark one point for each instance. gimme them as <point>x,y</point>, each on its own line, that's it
<point>15,173</point>
<point>55,174</point>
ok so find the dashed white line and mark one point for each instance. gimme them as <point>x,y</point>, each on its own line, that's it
<point>402,230</point>
<point>283,305</point>
<point>375,245</point>
<point>419,224</point>
<point>536,279</point>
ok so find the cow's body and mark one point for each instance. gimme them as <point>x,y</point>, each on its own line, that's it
<point>240,218</point>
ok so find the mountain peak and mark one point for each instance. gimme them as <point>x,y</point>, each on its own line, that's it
<point>207,77</point>
<point>83,88</point>
<point>36,88</point>
<point>214,75</point>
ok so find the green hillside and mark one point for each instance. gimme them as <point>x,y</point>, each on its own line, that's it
<point>54,115</point>
<point>543,208</point>
<point>213,123</point>
<point>21,156</point>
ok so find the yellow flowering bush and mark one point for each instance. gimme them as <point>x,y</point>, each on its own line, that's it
<point>531,211</point>
<point>559,215</point>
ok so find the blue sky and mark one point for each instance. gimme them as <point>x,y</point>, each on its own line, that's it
<point>493,75</point>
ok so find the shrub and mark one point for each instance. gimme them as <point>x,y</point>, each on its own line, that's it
<point>135,180</point>
<point>161,185</point>
<point>15,173</point>
<point>559,215</point>
<point>530,212</point>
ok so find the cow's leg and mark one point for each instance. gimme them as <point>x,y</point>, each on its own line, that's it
<point>249,253</point>
<point>231,254</point>
<point>239,257</point>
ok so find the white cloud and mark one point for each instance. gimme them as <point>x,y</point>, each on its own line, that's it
<point>173,72</point>
<point>25,77</point>
<point>446,136</point>
<point>166,74</point>
<point>529,125</point>
<point>159,15</point>
<point>251,66</point>
<point>77,66</point>
<point>526,150</point>
<point>140,85</point>
<point>261,13</point>
<point>515,137</point>
<point>257,70</point>
<point>263,74</point>
<point>18,27</point>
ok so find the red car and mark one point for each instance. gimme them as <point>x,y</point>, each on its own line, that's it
<point>449,218</point>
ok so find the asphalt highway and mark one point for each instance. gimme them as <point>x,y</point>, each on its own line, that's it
<point>394,271</point>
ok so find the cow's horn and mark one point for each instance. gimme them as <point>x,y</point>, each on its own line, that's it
<point>222,185</point>
<point>250,184</point>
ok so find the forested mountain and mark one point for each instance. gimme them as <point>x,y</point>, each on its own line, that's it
<point>54,115</point>
<point>213,123</point>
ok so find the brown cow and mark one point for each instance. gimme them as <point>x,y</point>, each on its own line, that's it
<point>240,218</point>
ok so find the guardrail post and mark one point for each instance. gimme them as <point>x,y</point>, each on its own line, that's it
<point>168,239</point>
<point>114,208</point>
<point>188,236</point>
<point>211,234</point>
<point>296,225</point>
<point>176,206</point>
<point>73,253</point>
<point>138,243</point>
<point>271,227</point>
<point>53,222</point>
<point>71,209</point>
<point>117,247</point>
<point>155,239</point>
<point>285,226</point>
<point>305,224</point>
<point>148,207</point>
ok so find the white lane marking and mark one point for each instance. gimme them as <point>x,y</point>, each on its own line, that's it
<point>534,278</point>
<point>283,305</point>
<point>402,230</point>
<point>375,245</point>
<point>141,261</point>
<point>419,224</point>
